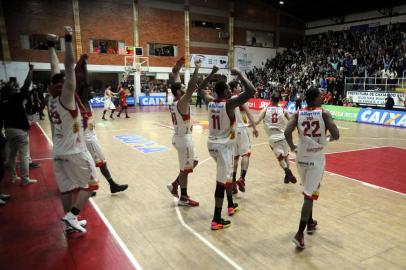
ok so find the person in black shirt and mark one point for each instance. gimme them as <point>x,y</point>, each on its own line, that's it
<point>16,126</point>
<point>389,103</point>
<point>3,197</point>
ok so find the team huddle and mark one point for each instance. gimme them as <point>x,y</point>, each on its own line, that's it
<point>229,139</point>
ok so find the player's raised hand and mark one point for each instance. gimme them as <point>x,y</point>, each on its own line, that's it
<point>215,69</point>
<point>68,30</point>
<point>179,64</point>
<point>198,62</point>
<point>235,71</point>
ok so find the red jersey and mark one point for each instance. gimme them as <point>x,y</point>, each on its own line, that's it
<point>123,97</point>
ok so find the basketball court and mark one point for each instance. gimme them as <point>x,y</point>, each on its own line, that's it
<point>361,210</point>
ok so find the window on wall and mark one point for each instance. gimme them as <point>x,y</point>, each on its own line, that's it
<point>39,42</point>
<point>212,25</point>
<point>162,49</point>
<point>260,39</point>
<point>107,46</point>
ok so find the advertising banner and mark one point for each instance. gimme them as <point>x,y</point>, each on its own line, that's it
<point>152,100</point>
<point>98,102</point>
<point>382,117</point>
<point>208,60</point>
<point>343,113</point>
<point>376,98</point>
<point>259,103</point>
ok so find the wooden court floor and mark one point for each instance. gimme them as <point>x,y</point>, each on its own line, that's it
<point>360,226</point>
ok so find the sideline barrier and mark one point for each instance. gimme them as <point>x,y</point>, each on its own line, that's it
<point>382,117</point>
<point>351,114</point>
<point>259,103</point>
<point>152,100</point>
<point>343,113</point>
<point>98,102</point>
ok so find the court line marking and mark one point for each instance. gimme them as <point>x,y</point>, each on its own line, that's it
<point>366,184</point>
<point>359,181</point>
<point>120,242</point>
<point>375,138</point>
<point>200,237</point>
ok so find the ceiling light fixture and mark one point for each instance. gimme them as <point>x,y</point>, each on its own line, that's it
<point>281,2</point>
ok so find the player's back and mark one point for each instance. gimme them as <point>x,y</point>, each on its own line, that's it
<point>182,123</point>
<point>275,122</point>
<point>312,132</point>
<point>221,127</point>
<point>67,129</point>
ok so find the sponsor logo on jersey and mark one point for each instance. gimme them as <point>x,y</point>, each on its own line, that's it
<point>382,117</point>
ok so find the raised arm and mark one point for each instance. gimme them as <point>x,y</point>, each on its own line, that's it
<point>331,126</point>
<point>28,80</point>
<point>183,103</point>
<point>246,95</point>
<point>206,96</point>
<point>289,130</point>
<point>176,69</point>
<point>69,86</point>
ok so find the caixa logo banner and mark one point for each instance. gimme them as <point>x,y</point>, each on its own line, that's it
<point>98,102</point>
<point>152,100</point>
<point>382,117</point>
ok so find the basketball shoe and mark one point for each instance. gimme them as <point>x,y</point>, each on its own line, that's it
<point>70,230</point>
<point>241,184</point>
<point>173,189</point>
<point>311,227</point>
<point>187,201</point>
<point>220,224</point>
<point>298,240</point>
<point>72,221</point>
<point>289,177</point>
<point>235,189</point>
<point>232,210</point>
<point>114,188</point>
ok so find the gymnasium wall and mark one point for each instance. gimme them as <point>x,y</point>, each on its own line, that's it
<point>369,17</point>
<point>160,21</point>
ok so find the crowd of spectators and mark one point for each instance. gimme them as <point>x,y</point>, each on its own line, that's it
<point>324,60</point>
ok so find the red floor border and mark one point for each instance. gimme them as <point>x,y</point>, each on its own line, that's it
<point>32,236</point>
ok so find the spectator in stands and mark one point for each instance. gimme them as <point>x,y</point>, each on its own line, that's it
<point>111,50</point>
<point>389,103</point>
<point>3,197</point>
<point>16,128</point>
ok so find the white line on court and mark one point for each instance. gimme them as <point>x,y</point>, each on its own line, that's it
<point>120,242</point>
<point>367,184</point>
<point>201,238</point>
<point>375,138</point>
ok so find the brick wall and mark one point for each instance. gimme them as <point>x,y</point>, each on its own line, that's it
<point>162,26</point>
<point>112,20</point>
<point>213,51</point>
<point>35,17</point>
<point>108,21</point>
<point>202,34</point>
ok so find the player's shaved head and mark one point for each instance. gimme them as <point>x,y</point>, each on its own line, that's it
<point>312,97</point>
